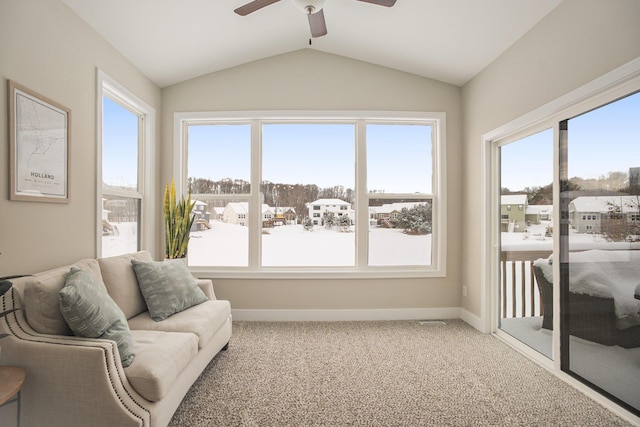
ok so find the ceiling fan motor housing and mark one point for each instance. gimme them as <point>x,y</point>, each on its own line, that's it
<point>309,6</point>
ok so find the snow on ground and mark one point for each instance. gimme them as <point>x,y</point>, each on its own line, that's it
<point>286,246</point>
<point>531,240</point>
<point>125,241</point>
<point>290,245</point>
<point>293,246</point>
<point>534,240</point>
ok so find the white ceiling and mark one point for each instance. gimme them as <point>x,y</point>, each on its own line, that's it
<point>448,40</point>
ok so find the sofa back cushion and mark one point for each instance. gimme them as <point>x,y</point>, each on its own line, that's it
<point>121,282</point>
<point>42,301</point>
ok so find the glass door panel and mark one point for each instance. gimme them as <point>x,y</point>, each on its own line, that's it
<point>600,249</point>
<point>526,235</point>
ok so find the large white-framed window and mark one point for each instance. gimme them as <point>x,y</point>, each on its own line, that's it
<point>314,193</point>
<point>124,174</point>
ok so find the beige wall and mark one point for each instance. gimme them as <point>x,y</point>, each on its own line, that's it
<point>576,43</point>
<point>310,80</point>
<point>47,48</point>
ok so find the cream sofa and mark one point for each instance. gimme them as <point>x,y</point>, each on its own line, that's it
<point>73,381</point>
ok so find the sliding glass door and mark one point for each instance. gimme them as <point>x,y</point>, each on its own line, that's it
<point>600,249</point>
<point>563,237</point>
<point>526,234</point>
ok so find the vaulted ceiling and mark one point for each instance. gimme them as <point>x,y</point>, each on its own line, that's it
<point>448,40</point>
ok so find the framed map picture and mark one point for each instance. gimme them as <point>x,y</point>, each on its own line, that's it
<point>39,131</point>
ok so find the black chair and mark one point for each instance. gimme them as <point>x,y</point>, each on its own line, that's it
<point>590,318</point>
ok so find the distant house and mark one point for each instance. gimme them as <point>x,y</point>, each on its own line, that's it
<point>336,206</point>
<point>201,220</point>
<point>284,215</point>
<point>200,210</point>
<point>238,213</point>
<point>587,213</point>
<point>387,214</point>
<point>534,214</point>
<point>217,213</point>
<point>513,209</point>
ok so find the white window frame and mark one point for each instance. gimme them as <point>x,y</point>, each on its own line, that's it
<point>257,118</point>
<point>107,86</point>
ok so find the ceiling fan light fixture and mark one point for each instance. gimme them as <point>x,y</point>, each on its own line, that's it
<point>309,6</point>
<point>312,8</point>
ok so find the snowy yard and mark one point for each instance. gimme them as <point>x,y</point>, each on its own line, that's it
<point>292,246</point>
<point>124,241</point>
<point>287,246</point>
<point>534,240</point>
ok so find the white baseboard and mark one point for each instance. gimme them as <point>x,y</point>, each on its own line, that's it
<point>472,320</point>
<point>346,315</point>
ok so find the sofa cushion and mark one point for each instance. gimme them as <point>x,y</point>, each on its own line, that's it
<point>204,320</point>
<point>41,298</point>
<point>91,313</point>
<point>168,287</point>
<point>119,278</point>
<point>160,359</point>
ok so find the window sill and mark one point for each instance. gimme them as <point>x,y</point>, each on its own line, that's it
<point>316,274</point>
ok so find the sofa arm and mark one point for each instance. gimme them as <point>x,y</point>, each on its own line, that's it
<point>67,378</point>
<point>207,287</point>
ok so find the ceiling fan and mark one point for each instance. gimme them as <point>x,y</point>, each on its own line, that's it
<point>313,9</point>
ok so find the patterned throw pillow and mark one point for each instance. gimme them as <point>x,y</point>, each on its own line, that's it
<point>167,286</point>
<point>90,312</point>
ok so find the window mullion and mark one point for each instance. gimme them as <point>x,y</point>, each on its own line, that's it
<point>362,199</point>
<point>255,199</point>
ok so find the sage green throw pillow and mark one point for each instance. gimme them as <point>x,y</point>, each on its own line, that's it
<point>168,287</point>
<point>90,312</point>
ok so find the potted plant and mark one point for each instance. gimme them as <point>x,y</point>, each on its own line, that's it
<point>178,218</point>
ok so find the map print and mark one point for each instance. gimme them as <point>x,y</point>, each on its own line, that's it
<point>41,154</point>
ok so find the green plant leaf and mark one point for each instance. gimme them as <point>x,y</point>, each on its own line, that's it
<point>178,216</point>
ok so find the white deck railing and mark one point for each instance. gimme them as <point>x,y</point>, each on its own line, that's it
<point>519,293</point>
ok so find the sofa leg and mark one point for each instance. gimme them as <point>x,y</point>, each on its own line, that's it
<point>226,347</point>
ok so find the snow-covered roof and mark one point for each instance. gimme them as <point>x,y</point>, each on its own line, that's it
<point>238,207</point>
<point>513,199</point>
<point>628,204</point>
<point>336,202</point>
<point>390,207</point>
<point>285,209</point>
<point>539,209</point>
<point>243,207</point>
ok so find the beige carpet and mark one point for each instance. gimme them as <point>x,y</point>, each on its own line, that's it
<point>397,373</point>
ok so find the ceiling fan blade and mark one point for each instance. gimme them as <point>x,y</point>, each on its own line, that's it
<point>317,24</point>
<point>253,6</point>
<point>387,3</point>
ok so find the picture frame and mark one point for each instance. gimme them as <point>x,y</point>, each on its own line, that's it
<point>39,141</point>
